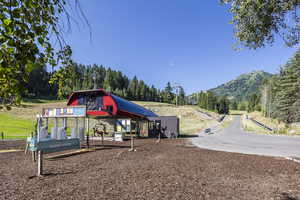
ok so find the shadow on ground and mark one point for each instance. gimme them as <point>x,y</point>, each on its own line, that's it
<point>187,136</point>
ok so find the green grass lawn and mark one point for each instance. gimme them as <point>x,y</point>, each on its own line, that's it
<point>14,127</point>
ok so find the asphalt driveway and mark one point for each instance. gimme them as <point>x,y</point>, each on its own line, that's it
<point>234,139</point>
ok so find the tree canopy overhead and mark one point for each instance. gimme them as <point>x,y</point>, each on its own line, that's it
<point>257,22</point>
<point>25,42</point>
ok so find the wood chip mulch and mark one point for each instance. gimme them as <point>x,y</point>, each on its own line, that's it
<point>168,170</point>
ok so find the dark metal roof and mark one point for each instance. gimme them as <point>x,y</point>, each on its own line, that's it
<point>131,107</point>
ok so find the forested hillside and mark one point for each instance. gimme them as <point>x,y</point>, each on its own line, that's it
<point>276,96</point>
<point>241,88</point>
<point>60,83</point>
<point>242,93</point>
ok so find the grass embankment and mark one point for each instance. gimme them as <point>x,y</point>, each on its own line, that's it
<point>14,127</point>
<point>277,126</point>
<point>252,127</point>
<point>227,121</point>
<point>192,121</point>
<point>19,121</point>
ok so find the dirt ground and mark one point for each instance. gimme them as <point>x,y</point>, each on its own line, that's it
<point>171,169</point>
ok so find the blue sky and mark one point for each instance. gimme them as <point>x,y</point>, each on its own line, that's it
<point>185,41</point>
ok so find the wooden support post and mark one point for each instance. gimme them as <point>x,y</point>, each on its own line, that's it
<point>40,163</point>
<point>137,128</point>
<point>131,142</point>
<point>26,148</point>
<point>33,155</point>
<point>159,137</point>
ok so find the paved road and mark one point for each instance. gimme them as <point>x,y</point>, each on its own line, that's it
<point>234,139</point>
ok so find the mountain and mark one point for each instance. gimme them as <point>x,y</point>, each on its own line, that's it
<point>242,86</point>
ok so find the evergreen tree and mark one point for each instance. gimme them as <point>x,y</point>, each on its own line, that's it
<point>295,109</point>
<point>168,93</point>
<point>202,100</point>
<point>73,76</point>
<point>108,83</point>
<point>253,103</point>
<point>181,96</point>
<point>242,106</point>
<point>142,91</point>
<point>38,84</point>
<point>211,101</point>
<point>233,105</point>
<point>133,88</point>
<point>286,96</point>
<point>223,106</point>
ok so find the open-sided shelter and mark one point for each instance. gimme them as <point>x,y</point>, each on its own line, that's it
<point>104,105</point>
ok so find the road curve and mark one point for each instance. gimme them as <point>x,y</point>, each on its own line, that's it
<point>234,139</point>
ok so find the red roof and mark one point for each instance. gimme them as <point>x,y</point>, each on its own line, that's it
<point>104,104</point>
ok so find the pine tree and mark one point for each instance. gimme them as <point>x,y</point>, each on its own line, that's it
<point>142,90</point>
<point>253,103</point>
<point>133,88</point>
<point>181,96</point>
<point>211,101</point>
<point>242,105</point>
<point>222,106</point>
<point>287,90</point>
<point>107,84</point>
<point>233,105</point>
<point>202,100</point>
<point>168,93</point>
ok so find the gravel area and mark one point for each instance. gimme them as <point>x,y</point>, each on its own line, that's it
<point>171,169</point>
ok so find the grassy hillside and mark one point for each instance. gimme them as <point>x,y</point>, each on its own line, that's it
<point>191,119</point>
<point>14,126</point>
<point>20,121</point>
<point>277,126</point>
<point>242,86</point>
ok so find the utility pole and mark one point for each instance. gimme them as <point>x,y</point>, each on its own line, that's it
<point>270,101</point>
<point>176,86</point>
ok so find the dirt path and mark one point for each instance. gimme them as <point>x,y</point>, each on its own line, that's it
<point>169,170</point>
<point>234,139</point>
